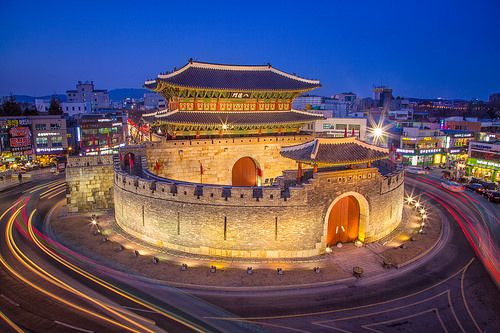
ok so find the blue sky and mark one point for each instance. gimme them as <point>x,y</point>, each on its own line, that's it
<point>420,48</point>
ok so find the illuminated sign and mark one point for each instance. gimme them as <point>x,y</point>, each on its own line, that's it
<point>20,142</point>
<point>239,95</point>
<point>47,134</point>
<point>19,131</point>
<point>430,151</point>
<point>462,135</point>
<point>405,151</point>
<point>48,150</point>
<point>489,163</point>
<point>103,120</point>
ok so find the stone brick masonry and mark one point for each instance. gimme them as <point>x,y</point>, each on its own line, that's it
<point>90,183</point>
<point>218,220</point>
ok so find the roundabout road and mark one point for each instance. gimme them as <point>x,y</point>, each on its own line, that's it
<point>449,291</point>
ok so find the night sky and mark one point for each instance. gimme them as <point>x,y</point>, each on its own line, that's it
<point>422,48</point>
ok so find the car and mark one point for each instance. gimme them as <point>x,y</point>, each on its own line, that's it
<point>474,187</point>
<point>493,196</point>
<point>53,169</point>
<point>416,171</point>
<point>452,186</point>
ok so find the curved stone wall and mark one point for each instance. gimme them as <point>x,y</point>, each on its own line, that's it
<point>181,159</point>
<point>253,222</point>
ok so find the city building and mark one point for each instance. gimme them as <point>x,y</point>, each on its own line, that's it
<point>339,127</point>
<point>231,173</point>
<point>49,136</point>
<point>100,133</point>
<point>327,106</point>
<point>419,143</point>
<point>383,98</point>
<point>70,108</point>
<point>154,101</point>
<point>494,98</point>
<point>86,93</point>
<point>32,138</point>
<point>484,160</point>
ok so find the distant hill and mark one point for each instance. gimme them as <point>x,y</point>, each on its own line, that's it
<point>115,95</point>
<point>118,95</point>
<point>31,99</point>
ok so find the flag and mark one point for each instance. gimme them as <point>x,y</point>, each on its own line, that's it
<point>201,169</point>
<point>108,141</point>
<point>130,161</point>
<point>259,172</point>
<point>93,141</point>
<point>121,157</point>
<point>157,166</point>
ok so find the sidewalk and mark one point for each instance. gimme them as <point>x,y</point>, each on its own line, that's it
<point>13,180</point>
<point>75,232</point>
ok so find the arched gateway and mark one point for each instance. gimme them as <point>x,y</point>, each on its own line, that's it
<point>343,221</point>
<point>244,172</point>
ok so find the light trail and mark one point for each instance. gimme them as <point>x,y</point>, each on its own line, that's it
<point>13,249</point>
<point>12,324</point>
<point>35,234</point>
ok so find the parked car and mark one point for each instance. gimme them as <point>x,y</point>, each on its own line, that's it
<point>416,171</point>
<point>452,186</point>
<point>493,196</point>
<point>474,187</point>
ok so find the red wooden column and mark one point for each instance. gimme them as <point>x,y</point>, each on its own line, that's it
<point>299,172</point>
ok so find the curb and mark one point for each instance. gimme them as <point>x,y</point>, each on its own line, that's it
<point>426,252</point>
<point>200,289</point>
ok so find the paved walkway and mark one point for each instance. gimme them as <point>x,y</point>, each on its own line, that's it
<point>73,231</point>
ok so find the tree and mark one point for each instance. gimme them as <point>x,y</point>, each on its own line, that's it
<point>55,106</point>
<point>10,107</point>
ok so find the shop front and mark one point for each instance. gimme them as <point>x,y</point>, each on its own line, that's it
<point>422,157</point>
<point>483,169</point>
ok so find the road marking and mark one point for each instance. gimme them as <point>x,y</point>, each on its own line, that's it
<point>441,321</point>
<point>73,327</point>
<point>462,291</point>
<point>386,310</point>
<point>346,309</point>
<point>9,300</point>
<point>454,313</point>
<point>433,310</point>
<point>57,193</point>
<point>12,324</point>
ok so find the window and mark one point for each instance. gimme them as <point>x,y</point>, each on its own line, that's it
<point>341,126</point>
<point>40,127</point>
<point>327,126</point>
<point>42,142</point>
<point>55,125</point>
<point>356,127</point>
<point>56,141</point>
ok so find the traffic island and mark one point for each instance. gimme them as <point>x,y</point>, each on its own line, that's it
<point>77,232</point>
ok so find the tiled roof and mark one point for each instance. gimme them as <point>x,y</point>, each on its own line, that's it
<point>233,77</point>
<point>232,118</point>
<point>335,151</point>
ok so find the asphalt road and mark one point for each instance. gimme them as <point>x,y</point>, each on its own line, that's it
<point>449,291</point>
<point>41,293</point>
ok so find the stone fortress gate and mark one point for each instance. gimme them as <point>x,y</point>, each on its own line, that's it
<point>229,173</point>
